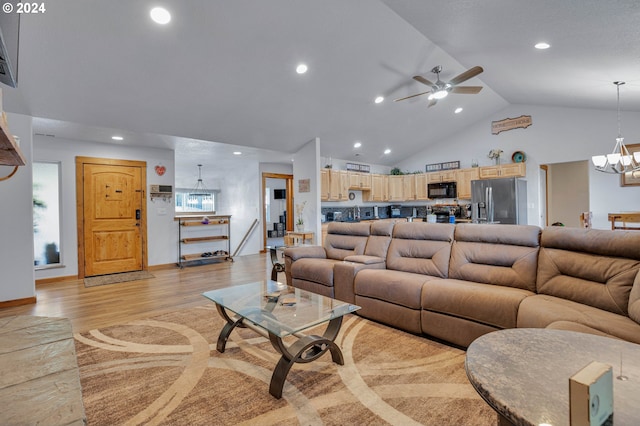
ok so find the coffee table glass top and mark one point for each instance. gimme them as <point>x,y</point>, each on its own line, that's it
<point>278,308</point>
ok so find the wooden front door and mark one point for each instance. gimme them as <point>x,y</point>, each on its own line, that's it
<point>112,198</point>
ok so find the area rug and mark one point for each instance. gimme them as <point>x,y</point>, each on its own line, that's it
<point>116,278</point>
<point>166,370</point>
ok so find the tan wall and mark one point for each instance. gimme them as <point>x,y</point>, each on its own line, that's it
<point>568,192</point>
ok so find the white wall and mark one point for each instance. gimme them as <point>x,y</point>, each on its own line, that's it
<point>162,231</point>
<point>557,135</point>
<point>16,216</point>
<point>306,165</point>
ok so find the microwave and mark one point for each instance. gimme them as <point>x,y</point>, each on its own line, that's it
<point>442,190</point>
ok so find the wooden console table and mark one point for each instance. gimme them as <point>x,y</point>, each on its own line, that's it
<point>625,218</point>
<point>39,379</point>
<point>299,237</point>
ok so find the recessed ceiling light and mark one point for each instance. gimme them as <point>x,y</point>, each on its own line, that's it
<point>301,68</point>
<point>357,144</point>
<point>117,138</point>
<point>237,153</point>
<point>387,151</point>
<point>379,99</point>
<point>160,15</point>
<point>458,110</point>
<point>542,45</point>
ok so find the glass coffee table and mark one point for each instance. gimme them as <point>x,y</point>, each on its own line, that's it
<point>276,311</point>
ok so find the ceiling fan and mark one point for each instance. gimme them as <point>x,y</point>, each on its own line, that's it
<point>441,89</point>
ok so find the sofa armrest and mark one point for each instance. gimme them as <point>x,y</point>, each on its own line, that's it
<point>295,253</point>
<point>364,259</point>
<point>344,275</point>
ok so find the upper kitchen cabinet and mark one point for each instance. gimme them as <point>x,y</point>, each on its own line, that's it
<point>396,187</point>
<point>421,186</point>
<point>464,178</point>
<point>379,189</point>
<point>444,176</point>
<point>409,187</point>
<point>503,170</point>
<point>361,181</point>
<point>339,185</point>
<point>325,186</point>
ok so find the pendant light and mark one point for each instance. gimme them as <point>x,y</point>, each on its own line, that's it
<point>200,196</point>
<point>620,160</point>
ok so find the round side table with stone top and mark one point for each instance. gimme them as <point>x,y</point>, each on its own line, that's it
<point>523,374</point>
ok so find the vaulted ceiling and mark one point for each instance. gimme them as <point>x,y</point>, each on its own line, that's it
<point>224,71</point>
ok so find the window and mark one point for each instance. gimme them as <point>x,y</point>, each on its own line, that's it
<point>188,202</point>
<point>46,214</point>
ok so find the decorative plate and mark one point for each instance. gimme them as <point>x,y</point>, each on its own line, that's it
<point>519,157</point>
<point>352,196</point>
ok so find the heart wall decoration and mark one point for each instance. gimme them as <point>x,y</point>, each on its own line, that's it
<point>160,169</point>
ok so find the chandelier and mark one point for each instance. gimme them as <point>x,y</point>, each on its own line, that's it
<point>620,161</point>
<point>200,196</point>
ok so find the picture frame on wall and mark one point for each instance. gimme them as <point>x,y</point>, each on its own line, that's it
<point>631,178</point>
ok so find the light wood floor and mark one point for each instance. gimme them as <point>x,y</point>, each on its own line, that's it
<point>170,290</point>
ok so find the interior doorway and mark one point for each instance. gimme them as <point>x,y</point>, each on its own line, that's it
<point>566,192</point>
<point>277,207</point>
<point>111,216</point>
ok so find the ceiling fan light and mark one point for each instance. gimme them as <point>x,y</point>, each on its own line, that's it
<point>440,94</point>
<point>599,160</point>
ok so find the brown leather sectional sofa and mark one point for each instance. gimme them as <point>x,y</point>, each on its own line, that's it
<point>458,282</point>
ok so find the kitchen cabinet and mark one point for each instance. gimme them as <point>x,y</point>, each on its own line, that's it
<point>444,176</point>
<point>396,187</point>
<point>421,186</point>
<point>361,181</point>
<point>409,187</point>
<point>503,170</point>
<point>464,178</point>
<point>339,184</point>
<point>207,234</point>
<point>379,189</point>
<point>325,186</point>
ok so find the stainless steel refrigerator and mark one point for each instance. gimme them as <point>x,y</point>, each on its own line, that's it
<point>499,201</point>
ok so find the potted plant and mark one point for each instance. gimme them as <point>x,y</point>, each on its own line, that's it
<point>300,218</point>
<point>495,154</point>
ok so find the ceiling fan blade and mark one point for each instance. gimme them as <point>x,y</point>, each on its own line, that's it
<point>412,96</point>
<point>432,102</point>
<point>422,80</point>
<point>470,73</point>
<point>466,90</point>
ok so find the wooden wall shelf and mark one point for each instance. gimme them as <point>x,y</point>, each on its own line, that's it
<point>10,154</point>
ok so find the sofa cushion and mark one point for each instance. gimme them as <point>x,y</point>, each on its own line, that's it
<point>541,311</point>
<point>493,305</point>
<point>395,287</point>
<point>367,260</point>
<point>314,270</point>
<point>378,242</point>
<point>575,326</point>
<point>492,254</point>
<point>345,239</point>
<point>593,267</point>
<point>421,248</point>
<point>634,300</point>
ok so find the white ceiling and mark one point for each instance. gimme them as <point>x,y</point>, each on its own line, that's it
<point>224,71</point>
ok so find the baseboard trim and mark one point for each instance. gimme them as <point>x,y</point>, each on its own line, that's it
<point>162,267</point>
<point>18,302</point>
<point>56,279</point>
